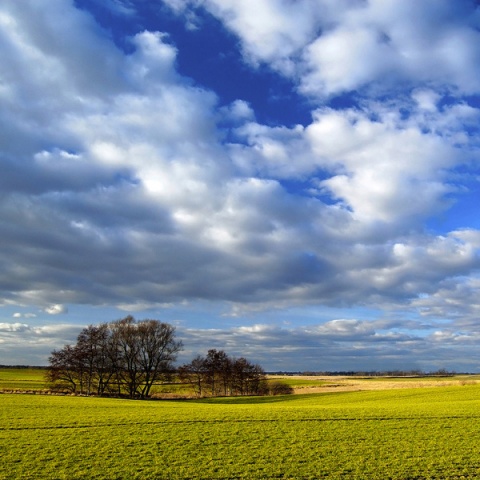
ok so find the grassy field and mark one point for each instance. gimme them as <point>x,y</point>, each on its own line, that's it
<point>22,379</point>
<point>317,384</point>
<point>421,433</point>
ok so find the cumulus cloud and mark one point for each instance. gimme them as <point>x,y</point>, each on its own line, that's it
<point>375,167</point>
<point>56,309</point>
<point>354,344</point>
<point>13,327</point>
<point>146,180</point>
<point>271,31</point>
<point>332,47</point>
<point>24,315</point>
<point>124,183</point>
<point>24,344</point>
<point>139,174</point>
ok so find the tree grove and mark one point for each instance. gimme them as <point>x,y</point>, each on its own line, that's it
<point>218,374</point>
<point>125,357</point>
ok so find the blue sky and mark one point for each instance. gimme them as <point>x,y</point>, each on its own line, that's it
<point>292,181</point>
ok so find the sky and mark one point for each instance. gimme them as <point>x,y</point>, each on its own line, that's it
<point>293,181</point>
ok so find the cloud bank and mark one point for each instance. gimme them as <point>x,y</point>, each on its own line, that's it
<point>125,183</point>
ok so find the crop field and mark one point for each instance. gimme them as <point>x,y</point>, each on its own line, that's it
<point>421,433</point>
<point>22,378</point>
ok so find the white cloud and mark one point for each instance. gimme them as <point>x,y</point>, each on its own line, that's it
<point>56,309</point>
<point>347,45</point>
<point>426,99</point>
<point>383,170</point>
<point>343,60</point>
<point>153,59</point>
<point>356,345</point>
<point>24,315</point>
<point>271,31</point>
<point>13,327</point>
<point>122,192</point>
<point>346,328</point>
<point>23,344</point>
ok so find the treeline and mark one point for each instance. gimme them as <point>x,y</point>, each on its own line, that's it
<point>23,367</point>
<point>442,372</point>
<point>218,374</point>
<point>124,357</point>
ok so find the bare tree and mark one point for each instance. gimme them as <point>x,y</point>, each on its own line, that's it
<point>194,373</point>
<point>127,347</point>
<point>66,369</point>
<point>156,353</point>
<point>218,371</point>
<point>218,374</point>
<point>94,343</point>
<point>122,356</point>
<point>248,378</point>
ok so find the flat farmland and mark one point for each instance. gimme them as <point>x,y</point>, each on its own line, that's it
<point>404,433</point>
<point>22,379</point>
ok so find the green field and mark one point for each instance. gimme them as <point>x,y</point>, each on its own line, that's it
<point>22,379</point>
<point>422,433</point>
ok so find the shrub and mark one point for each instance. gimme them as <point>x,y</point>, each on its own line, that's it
<point>279,388</point>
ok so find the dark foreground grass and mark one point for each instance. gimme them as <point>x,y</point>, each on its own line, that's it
<point>430,433</point>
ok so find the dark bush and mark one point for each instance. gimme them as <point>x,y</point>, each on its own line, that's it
<point>280,388</point>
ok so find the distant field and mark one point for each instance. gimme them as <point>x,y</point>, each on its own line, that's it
<point>22,379</point>
<point>421,433</point>
<point>317,384</point>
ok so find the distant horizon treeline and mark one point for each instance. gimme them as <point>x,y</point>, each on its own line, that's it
<point>346,373</point>
<point>377,373</point>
